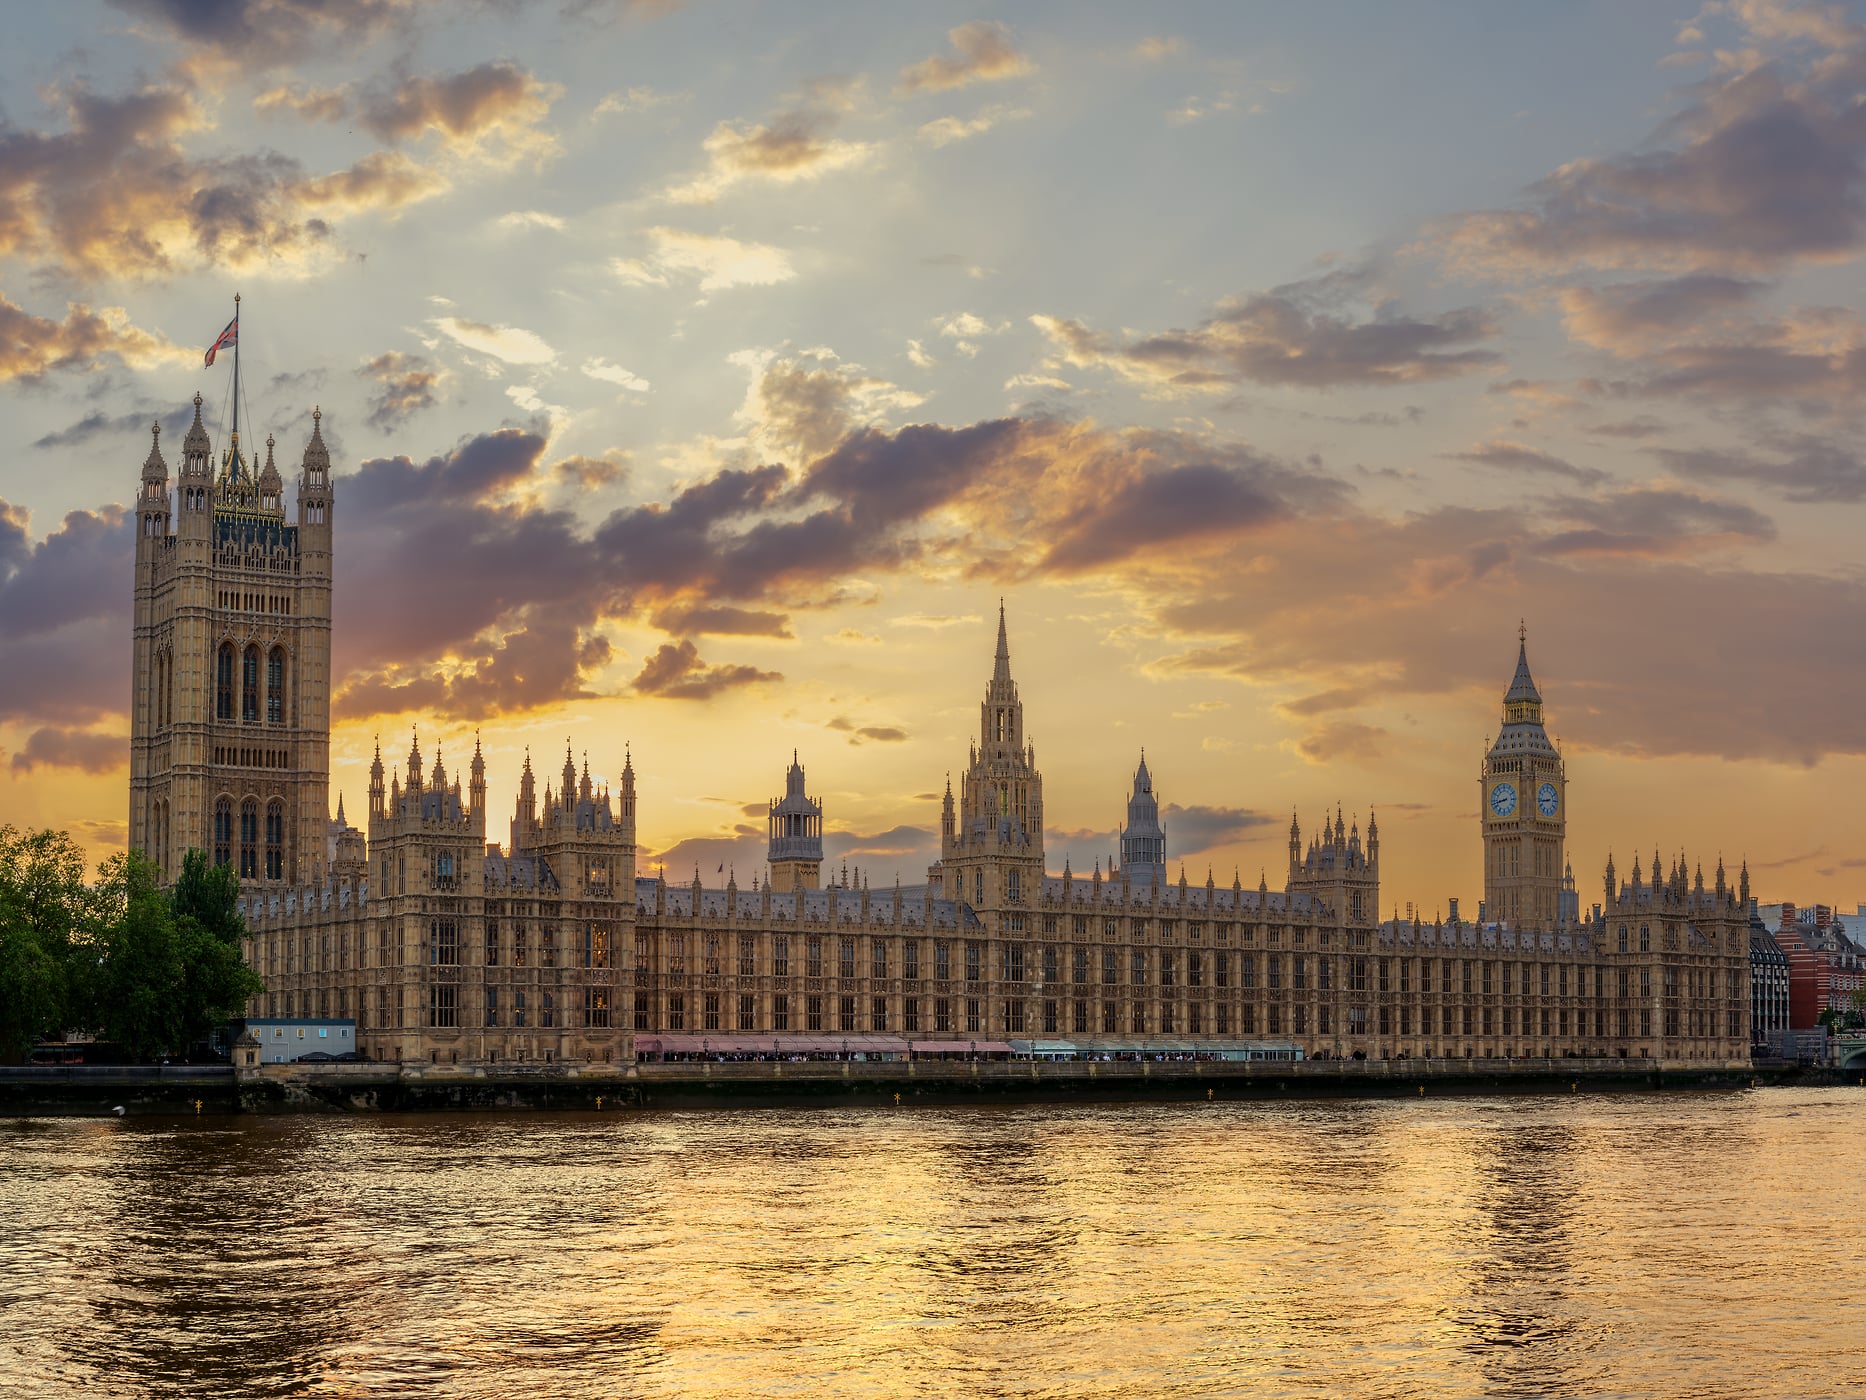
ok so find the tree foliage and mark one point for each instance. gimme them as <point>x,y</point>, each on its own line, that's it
<point>150,970</point>
<point>43,904</point>
<point>215,979</point>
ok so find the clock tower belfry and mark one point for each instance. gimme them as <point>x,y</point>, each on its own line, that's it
<point>1523,796</point>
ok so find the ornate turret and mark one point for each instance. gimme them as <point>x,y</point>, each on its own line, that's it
<point>271,488</point>
<point>155,466</point>
<point>795,827</point>
<point>1143,838</point>
<point>152,498</point>
<point>315,495</point>
<point>195,482</point>
<point>378,798</point>
<point>525,815</point>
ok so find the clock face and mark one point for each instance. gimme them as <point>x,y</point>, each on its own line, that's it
<point>1503,799</point>
<point>1547,799</point>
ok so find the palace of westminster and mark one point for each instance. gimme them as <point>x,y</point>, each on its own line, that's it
<point>445,947</point>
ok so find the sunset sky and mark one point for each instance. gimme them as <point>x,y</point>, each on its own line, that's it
<point>699,377</point>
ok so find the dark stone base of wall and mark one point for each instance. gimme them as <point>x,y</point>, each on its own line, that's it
<point>91,1091</point>
<point>99,1091</point>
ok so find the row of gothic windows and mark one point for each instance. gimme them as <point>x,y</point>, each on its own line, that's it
<point>163,700</point>
<point>249,845</point>
<point>247,689</point>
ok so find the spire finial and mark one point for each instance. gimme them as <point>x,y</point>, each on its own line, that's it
<point>1522,632</point>
<point>155,429</point>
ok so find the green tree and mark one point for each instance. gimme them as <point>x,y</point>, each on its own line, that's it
<point>216,981</point>
<point>42,904</point>
<point>139,975</point>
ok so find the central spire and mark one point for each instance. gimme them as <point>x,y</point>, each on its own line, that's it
<point>1001,670</point>
<point>1522,684</point>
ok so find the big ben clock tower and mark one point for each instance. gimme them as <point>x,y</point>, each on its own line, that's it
<point>1524,801</point>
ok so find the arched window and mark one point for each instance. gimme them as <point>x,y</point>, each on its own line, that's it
<point>275,686</point>
<point>275,840</point>
<point>223,683</point>
<point>223,831</point>
<point>249,686</point>
<point>249,837</point>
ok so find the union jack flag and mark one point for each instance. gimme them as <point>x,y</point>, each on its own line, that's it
<point>230,336</point>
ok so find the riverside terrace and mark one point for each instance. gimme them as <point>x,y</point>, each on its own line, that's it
<point>863,1048</point>
<point>87,1091</point>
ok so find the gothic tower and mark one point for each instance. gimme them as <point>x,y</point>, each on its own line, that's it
<point>230,702</point>
<point>1338,869</point>
<point>795,852</point>
<point>1143,839</point>
<point>1523,791</point>
<point>992,857</point>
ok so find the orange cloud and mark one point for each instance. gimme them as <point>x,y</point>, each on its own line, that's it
<point>31,346</point>
<point>793,147</point>
<point>115,194</point>
<point>983,51</point>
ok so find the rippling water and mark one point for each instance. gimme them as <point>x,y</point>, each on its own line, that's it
<point>1674,1245</point>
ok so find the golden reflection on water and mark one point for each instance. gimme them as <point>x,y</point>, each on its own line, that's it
<point>1675,1245</point>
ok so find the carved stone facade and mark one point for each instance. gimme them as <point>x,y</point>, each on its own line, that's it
<point>445,947</point>
<point>230,698</point>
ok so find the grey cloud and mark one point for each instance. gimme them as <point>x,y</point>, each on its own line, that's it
<point>1194,830</point>
<point>1637,653</point>
<point>1514,457</point>
<point>493,100</point>
<point>52,747</point>
<point>1811,470</point>
<point>1766,170</point>
<point>273,31</point>
<point>65,616</point>
<point>1649,521</point>
<point>1307,335</point>
<point>676,672</point>
<point>1628,318</point>
<point>723,620</point>
<point>867,733</point>
<point>116,427</point>
<point>1176,504</point>
<point>463,565</point>
<point>405,385</point>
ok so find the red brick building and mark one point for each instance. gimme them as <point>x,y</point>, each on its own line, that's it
<point>1825,967</point>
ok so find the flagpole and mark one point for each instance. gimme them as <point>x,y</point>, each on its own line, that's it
<point>235,464</point>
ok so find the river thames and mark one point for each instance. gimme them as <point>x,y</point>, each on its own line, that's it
<point>1685,1244</point>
